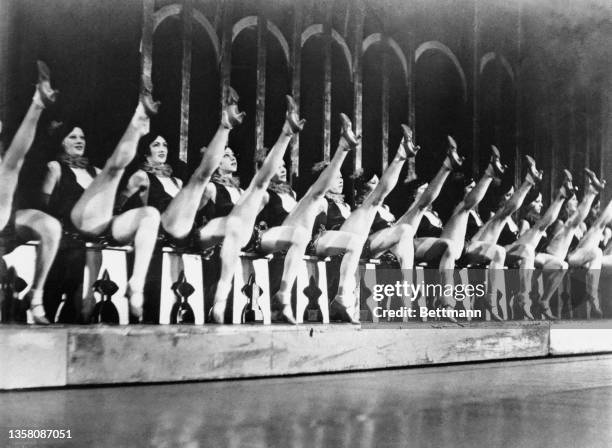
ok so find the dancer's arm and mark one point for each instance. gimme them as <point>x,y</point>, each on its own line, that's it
<point>137,183</point>
<point>52,178</point>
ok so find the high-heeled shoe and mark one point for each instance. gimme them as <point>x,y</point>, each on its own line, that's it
<point>597,184</point>
<point>408,143</point>
<point>567,187</point>
<point>216,315</point>
<point>526,309</point>
<point>231,115</point>
<point>347,132</point>
<point>48,95</point>
<point>496,163</point>
<point>448,318</point>
<point>492,309</point>
<point>545,310</point>
<point>292,116</point>
<point>532,171</point>
<point>146,97</point>
<point>284,311</point>
<point>37,311</point>
<point>341,312</point>
<point>452,154</point>
<point>135,301</point>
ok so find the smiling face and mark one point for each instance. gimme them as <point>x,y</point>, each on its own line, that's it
<point>337,185</point>
<point>371,184</point>
<point>571,205</point>
<point>508,194</point>
<point>228,162</point>
<point>537,204</point>
<point>74,143</point>
<point>469,187</point>
<point>158,151</point>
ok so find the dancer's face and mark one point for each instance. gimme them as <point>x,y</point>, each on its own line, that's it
<point>158,151</point>
<point>595,209</point>
<point>74,143</point>
<point>228,162</point>
<point>337,185</point>
<point>508,194</point>
<point>469,187</point>
<point>371,184</point>
<point>281,173</point>
<point>537,204</point>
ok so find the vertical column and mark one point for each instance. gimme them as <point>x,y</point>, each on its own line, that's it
<point>327,33</point>
<point>357,36</point>
<point>260,102</point>
<point>226,50</point>
<point>475,91</point>
<point>411,86</point>
<point>518,92</point>
<point>385,107</point>
<point>6,29</point>
<point>187,18</point>
<point>146,42</point>
<point>605,155</point>
<point>296,64</point>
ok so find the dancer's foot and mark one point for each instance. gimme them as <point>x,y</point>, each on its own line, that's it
<point>448,317</point>
<point>491,306</point>
<point>545,310</point>
<point>283,307</point>
<point>342,312</point>
<point>216,315</point>
<point>231,116</point>
<point>293,118</point>
<point>36,308</point>
<point>533,174</point>
<point>498,167</point>
<point>596,183</point>
<point>451,152</point>
<point>348,134</point>
<point>567,187</point>
<point>526,309</point>
<point>408,143</point>
<point>44,92</point>
<point>136,302</point>
<point>146,97</point>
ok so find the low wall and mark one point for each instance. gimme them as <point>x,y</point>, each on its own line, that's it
<point>73,355</point>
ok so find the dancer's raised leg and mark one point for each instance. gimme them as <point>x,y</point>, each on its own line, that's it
<point>178,217</point>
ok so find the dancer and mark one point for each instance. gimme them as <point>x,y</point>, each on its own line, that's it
<point>448,248</point>
<point>17,226</point>
<point>156,187</point>
<point>230,230</point>
<point>484,248</point>
<point>552,260</point>
<point>83,197</point>
<point>535,226</point>
<point>588,255</point>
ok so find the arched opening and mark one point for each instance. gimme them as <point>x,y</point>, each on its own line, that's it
<point>440,111</point>
<point>244,79</point>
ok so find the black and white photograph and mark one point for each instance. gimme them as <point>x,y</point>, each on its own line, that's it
<point>306,223</point>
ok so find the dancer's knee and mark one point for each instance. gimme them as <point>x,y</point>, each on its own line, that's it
<point>149,216</point>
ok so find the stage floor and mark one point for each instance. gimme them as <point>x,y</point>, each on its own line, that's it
<point>561,402</point>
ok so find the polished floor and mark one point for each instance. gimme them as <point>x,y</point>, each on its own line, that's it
<point>562,402</point>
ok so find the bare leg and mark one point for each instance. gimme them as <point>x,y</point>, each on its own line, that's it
<point>301,220</point>
<point>553,272</point>
<point>482,252</point>
<point>48,232</point>
<point>178,217</point>
<point>93,211</point>
<point>244,213</point>
<point>139,226</point>
<point>11,165</point>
